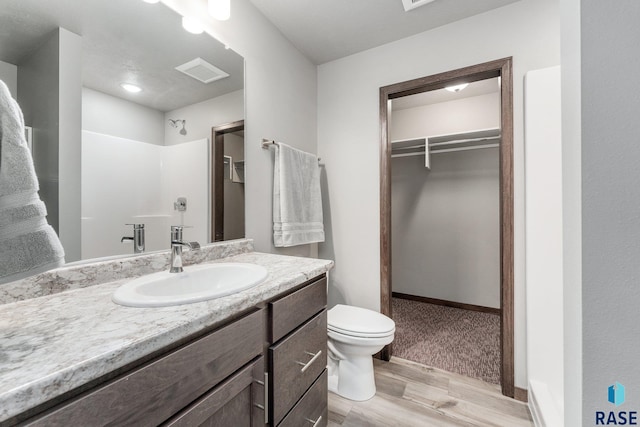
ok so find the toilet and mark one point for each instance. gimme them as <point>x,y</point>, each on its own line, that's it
<point>354,335</point>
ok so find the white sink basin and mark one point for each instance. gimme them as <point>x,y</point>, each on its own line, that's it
<point>196,283</point>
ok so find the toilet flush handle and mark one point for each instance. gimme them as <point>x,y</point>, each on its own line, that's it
<point>305,366</point>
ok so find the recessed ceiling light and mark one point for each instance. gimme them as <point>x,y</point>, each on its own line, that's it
<point>457,88</point>
<point>192,25</point>
<point>130,88</point>
<point>220,9</point>
<point>151,1</point>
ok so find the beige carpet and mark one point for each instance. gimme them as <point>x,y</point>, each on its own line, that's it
<point>461,341</point>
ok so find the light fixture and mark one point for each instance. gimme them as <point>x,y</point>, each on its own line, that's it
<point>412,4</point>
<point>192,25</point>
<point>130,88</point>
<point>151,1</point>
<point>457,88</point>
<point>220,9</point>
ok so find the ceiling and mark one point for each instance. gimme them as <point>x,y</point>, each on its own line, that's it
<point>123,41</point>
<point>325,30</point>
<point>481,87</point>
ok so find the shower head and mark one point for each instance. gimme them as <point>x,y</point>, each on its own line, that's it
<point>174,123</point>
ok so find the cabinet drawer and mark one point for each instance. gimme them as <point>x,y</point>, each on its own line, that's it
<point>312,409</point>
<point>232,403</point>
<point>151,394</point>
<point>297,361</point>
<point>291,311</point>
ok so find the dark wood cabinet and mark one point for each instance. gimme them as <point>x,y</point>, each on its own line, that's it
<point>267,367</point>
<point>154,393</point>
<point>298,357</point>
<point>311,410</point>
<point>238,401</point>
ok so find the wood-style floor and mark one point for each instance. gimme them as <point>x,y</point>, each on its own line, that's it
<point>410,394</point>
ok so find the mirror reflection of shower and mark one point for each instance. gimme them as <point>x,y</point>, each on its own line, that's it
<point>177,122</point>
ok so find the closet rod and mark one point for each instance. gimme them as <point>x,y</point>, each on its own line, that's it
<point>412,147</point>
<point>447,150</point>
<point>408,154</point>
<point>473,147</point>
<point>445,143</point>
<point>462,141</point>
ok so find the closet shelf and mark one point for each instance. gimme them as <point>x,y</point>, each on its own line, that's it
<point>473,140</point>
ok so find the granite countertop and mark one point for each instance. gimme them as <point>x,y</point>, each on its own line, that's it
<point>56,343</point>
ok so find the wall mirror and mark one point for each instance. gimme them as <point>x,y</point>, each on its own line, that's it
<point>105,156</point>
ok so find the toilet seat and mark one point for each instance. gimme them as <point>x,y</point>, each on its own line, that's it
<point>360,341</point>
<point>359,322</point>
<point>360,334</point>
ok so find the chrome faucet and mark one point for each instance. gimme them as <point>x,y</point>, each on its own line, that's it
<point>176,248</point>
<point>137,239</point>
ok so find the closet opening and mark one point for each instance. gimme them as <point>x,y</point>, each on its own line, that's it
<point>446,220</point>
<point>227,182</point>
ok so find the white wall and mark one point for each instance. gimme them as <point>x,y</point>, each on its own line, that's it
<point>280,103</point>
<point>572,210</point>
<point>148,179</point>
<point>9,75</point>
<point>348,135</point>
<point>445,227</point>
<point>462,115</point>
<point>49,86</point>
<point>127,137</point>
<point>201,117</point>
<point>610,203</point>
<point>185,173</point>
<point>70,119</point>
<point>543,157</point>
<point>38,89</point>
<point>121,185</point>
<point>110,115</point>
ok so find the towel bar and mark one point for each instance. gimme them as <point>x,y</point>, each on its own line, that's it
<point>266,143</point>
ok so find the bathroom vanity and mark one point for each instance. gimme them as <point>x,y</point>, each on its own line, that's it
<point>253,358</point>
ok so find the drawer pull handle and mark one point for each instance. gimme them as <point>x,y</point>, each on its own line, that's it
<point>316,422</point>
<point>264,407</point>
<point>266,398</point>
<point>305,366</point>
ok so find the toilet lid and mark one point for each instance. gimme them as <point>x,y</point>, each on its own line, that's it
<point>361,322</point>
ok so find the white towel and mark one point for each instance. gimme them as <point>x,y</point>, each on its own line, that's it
<point>297,202</point>
<point>28,244</point>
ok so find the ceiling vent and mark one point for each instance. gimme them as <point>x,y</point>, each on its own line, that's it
<point>412,4</point>
<point>202,71</point>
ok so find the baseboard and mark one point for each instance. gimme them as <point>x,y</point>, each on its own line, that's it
<point>521,394</point>
<point>446,303</point>
<point>542,407</point>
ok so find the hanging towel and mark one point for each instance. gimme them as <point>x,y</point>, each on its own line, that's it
<point>297,202</point>
<point>28,244</point>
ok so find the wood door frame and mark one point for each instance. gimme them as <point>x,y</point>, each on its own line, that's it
<point>498,68</point>
<point>217,176</point>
